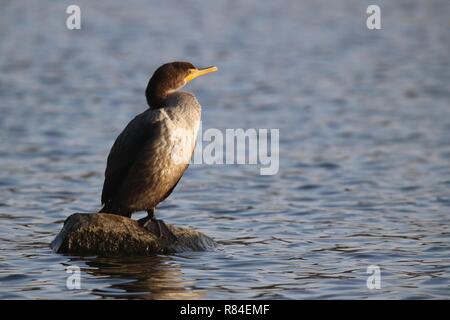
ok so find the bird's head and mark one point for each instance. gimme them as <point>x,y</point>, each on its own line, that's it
<point>171,77</point>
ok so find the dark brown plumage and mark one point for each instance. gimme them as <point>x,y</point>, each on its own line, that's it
<point>151,154</point>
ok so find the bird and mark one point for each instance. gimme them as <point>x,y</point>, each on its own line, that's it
<point>149,157</point>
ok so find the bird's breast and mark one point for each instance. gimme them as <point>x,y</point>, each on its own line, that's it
<point>181,129</point>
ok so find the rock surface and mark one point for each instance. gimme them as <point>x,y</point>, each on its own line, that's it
<point>108,234</point>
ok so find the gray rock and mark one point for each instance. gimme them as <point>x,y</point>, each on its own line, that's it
<point>108,234</point>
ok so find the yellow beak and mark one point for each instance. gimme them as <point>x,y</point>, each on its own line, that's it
<point>200,72</point>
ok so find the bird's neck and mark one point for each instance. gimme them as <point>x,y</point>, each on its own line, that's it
<point>156,98</point>
<point>157,93</point>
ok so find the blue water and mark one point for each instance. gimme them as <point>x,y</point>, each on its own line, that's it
<point>364,119</point>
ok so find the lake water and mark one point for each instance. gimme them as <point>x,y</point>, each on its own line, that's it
<point>364,119</point>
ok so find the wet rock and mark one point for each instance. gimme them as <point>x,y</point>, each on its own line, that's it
<point>108,234</point>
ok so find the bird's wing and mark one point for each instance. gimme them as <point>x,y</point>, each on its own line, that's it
<point>143,128</point>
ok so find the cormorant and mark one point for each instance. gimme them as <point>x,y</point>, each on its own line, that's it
<point>151,154</point>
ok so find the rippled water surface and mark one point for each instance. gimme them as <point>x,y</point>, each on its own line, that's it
<point>364,119</point>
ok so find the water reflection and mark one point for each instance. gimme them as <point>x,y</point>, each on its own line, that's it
<point>364,123</point>
<point>151,277</point>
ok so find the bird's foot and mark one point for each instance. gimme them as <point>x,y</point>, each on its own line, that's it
<point>158,228</point>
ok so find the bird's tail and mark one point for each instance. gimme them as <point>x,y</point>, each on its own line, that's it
<point>105,209</point>
<point>111,210</point>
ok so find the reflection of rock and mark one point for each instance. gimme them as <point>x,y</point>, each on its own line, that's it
<point>156,277</point>
<point>108,234</point>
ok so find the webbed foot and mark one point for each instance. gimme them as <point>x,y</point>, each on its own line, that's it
<point>158,228</point>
